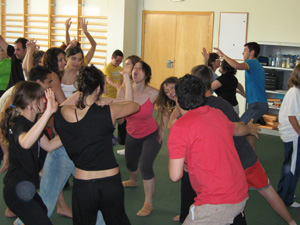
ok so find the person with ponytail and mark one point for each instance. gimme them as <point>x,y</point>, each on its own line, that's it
<point>86,130</point>
<point>23,132</point>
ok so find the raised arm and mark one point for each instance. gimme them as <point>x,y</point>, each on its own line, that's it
<point>68,24</point>
<point>128,93</point>
<point>232,62</point>
<point>27,63</point>
<point>27,139</point>
<point>93,43</point>
<point>205,54</point>
<point>123,109</point>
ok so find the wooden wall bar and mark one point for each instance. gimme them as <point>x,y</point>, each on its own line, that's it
<point>48,29</point>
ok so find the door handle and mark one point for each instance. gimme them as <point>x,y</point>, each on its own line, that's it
<point>170,63</point>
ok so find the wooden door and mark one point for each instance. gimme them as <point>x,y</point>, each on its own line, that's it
<point>193,33</point>
<point>176,36</point>
<point>159,42</point>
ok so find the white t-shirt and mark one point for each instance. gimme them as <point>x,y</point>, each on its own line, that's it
<point>68,89</point>
<point>289,107</point>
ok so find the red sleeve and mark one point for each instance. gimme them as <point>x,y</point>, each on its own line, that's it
<point>177,142</point>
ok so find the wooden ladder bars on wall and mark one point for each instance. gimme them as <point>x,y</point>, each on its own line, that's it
<point>49,29</point>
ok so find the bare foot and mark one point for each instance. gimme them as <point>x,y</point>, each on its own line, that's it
<point>66,211</point>
<point>8,213</point>
<point>176,218</point>
<point>62,207</point>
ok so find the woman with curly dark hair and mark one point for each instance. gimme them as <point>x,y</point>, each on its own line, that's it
<point>54,60</point>
<point>165,102</point>
<point>226,86</point>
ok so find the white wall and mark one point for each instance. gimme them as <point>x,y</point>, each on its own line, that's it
<point>270,21</point>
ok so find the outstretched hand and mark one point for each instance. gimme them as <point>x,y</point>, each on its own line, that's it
<point>68,23</point>
<point>219,52</point>
<point>51,102</point>
<point>205,54</point>
<point>31,45</point>
<point>254,128</point>
<point>83,24</point>
<point>127,70</point>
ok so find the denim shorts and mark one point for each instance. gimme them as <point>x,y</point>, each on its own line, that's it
<point>255,112</point>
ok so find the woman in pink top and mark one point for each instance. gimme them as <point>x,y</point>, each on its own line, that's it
<point>142,141</point>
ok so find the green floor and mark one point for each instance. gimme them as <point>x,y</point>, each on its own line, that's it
<point>166,199</point>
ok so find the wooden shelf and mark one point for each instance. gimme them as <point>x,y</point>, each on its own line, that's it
<point>278,68</point>
<point>282,92</point>
<point>270,132</point>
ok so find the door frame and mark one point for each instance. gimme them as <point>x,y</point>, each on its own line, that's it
<point>146,12</point>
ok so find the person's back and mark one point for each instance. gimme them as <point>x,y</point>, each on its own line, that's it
<point>88,141</point>
<point>214,167</point>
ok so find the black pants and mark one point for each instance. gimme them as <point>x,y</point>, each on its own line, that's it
<point>105,194</point>
<point>31,211</point>
<point>187,199</point>
<point>144,151</point>
<point>122,133</point>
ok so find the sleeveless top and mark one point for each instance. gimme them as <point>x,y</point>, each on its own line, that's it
<point>142,123</point>
<point>68,89</point>
<point>23,163</point>
<point>88,141</point>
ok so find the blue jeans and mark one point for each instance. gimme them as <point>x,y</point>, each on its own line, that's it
<point>255,112</point>
<point>56,171</point>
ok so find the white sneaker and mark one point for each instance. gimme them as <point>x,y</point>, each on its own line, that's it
<point>121,152</point>
<point>295,205</point>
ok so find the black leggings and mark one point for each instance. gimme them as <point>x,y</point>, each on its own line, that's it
<point>30,210</point>
<point>104,194</point>
<point>187,199</point>
<point>146,149</point>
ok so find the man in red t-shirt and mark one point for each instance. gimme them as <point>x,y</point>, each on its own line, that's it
<point>202,140</point>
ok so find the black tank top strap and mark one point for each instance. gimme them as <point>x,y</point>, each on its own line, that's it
<point>76,114</point>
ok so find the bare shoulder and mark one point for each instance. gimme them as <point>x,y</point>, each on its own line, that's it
<point>67,109</point>
<point>153,92</point>
<point>68,113</point>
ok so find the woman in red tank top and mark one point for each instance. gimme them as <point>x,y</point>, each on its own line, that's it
<point>143,141</point>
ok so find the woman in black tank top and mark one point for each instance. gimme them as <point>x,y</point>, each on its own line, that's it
<point>86,130</point>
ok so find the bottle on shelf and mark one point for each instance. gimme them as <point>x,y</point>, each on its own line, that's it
<point>273,61</point>
<point>288,61</point>
<point>297,60</point>
<point>270,61</point>
<point>283,61</point>
<point>278,59</point>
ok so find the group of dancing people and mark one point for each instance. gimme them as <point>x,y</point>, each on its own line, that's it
<point>79,105</point>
